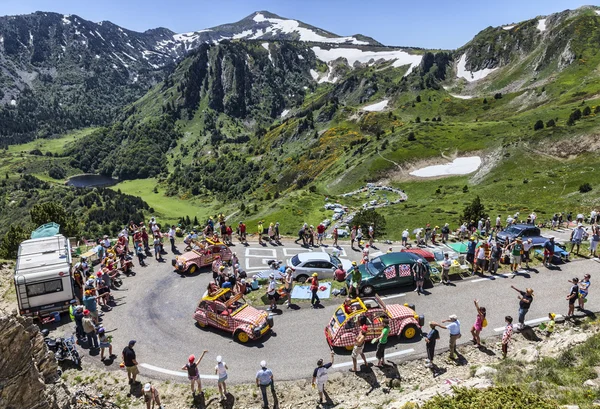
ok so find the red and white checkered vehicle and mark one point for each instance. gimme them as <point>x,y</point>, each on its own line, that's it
<point>232,314</point>
<point>343,328</point>
<point>202,254</point>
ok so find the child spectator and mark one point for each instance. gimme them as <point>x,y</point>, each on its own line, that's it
<point>508,331</point>
<point>221,370</point>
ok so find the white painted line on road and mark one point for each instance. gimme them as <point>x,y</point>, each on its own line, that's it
<point>393,296</point>
<point>270,253</point>
<point>532,322</point>
<point>288,252</point>
<point>175,373</point>
<point>491,277</point>
<point>393,354</point>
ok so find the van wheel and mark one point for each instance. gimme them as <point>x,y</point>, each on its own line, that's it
<point>241,337</point>
<point>368,290</point>
<point>192,269</point>
<point>410,331</point>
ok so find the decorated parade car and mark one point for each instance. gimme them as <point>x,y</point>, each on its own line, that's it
<point>203,253</point>
<point>232,314</point>
<point>344,326</point>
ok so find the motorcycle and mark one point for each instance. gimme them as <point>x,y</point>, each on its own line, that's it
<point>63,348</point>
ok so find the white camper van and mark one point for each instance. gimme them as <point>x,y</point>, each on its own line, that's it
<point>43,276</point>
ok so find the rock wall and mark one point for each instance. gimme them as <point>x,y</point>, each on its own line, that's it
<point>28,371</point>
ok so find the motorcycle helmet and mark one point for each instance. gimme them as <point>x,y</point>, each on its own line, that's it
<point>101,330</point>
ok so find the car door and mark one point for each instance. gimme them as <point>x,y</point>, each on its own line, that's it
<point>387,278</point>
<point>405,274</point>
<point>311,267</point>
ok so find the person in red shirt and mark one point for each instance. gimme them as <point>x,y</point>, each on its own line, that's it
<point>339,274</point>
<point>228,232</point>
<point>335,237</point>
<point>145,239</point>
<point>242,229</point>
<point>320,234</point>
<point>314,288</point>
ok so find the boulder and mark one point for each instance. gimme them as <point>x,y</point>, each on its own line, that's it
<point>486,372</point>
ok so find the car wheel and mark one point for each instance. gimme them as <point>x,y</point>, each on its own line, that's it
<point>241,337</point>
<point>200,324</point>
<point>410,331</point>
<point>302,278</point>
<point>349,347</point>
<point>192,269</point>
<point>368,290</point>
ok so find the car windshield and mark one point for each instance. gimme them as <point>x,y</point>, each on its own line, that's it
<point>375,266</point>
<point>513,230</point>
<point>295,260</point>
<point>336,261</point>
<point>340,316</point>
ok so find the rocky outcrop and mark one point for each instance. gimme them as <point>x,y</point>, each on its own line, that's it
<point>28,371</point>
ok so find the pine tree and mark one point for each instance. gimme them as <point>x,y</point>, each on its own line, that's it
<point>587,111</point>
<point>538,125</point>
<point>418,98</point>
<point>550,123</point>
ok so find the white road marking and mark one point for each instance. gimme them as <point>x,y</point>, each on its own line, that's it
<point>393,296</point>
<point>258,252</point>
<point>492,277</point>
<point>175,373</point>
<point>532,322</point>
<point>403,352</point>
<point>288,252</point>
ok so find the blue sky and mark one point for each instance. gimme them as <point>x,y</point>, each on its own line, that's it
<point>428,24</point>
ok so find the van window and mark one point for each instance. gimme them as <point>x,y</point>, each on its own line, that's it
<point>46,287</point>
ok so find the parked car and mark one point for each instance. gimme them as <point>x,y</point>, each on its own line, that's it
<point>388,271</point>
<point>329,206</point>
<point>203,255</point>
<point>343,328</point>
<point>337,216</point>
<point>524,231</point>
<point>343,233</point>
<point>305,264</point>
<point>232,314</point>
<point>326,222</point>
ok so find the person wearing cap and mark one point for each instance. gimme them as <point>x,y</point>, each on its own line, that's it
<point>432,336</point>
<point>272,294</point>
<point>527,245</point>
<point>471,246</point>
<point>260,230</point>
<point>454,328</point>
<point>129,359</point>
<point>90,304</point>
<point>314,289</point>
<point>89,328</point>
<point>419,270</point>
<point>288,283</point>
<point>264,380</point>
<point>577,238</point>
<point>525,300</point>
<point>104,343</point>
<point>319,378</point>
<point>550,325</point>
<point>516,250</point>
<point>584,286</point>
<point>405,235</point>
<point>495,257</point>
<point>572,297</point>
<point>446,263</point>
<point>548,251</point>
<point>358,349</point>
<point>193,374</point>
<point>221,371</point>
<point>78,317</point>
<point>151,396</point>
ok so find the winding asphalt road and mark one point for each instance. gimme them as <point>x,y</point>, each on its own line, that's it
<point>155,308</point>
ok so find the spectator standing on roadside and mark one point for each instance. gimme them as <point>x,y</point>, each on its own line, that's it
<point>480,259</point>
<point>405,235</point>
<point>260,229</point>
<point>359,345</point>
<point>445,233</point>
<point>371,233</point>
<point>105,342</point>
<point>527,246</point>
<point>272,293</point>
<point>548,251</point>
<point>577,237</point>
<point>471,245</point>
<point>516,250</point>
<point>90,330</point>
<point>480,322</point>
<point>288,282</point>
<point>78,317</point>
<point>352,236</point>
<point>151,396</point>
<point>264,380</point>
<point>454,328</point>
<point>419,270</point>
<point>446,263</point>
<point>584,286</point>
<point>90,304</point>
<point>495,256</point>
<point>314,289</point>
<point>525,300</point>
<point>320,234</point>
<point>359,236</point>
<point>193,374</point>
<point>319,377</point>
<point>432,336</point>
<point>382,341</point>
<point>506,335</point>
<point>594,239</point>
<point>335,235</point>
<point>572,297</point>
<point>129,359</point>
<point>221,371</point>
<point>172,239</point>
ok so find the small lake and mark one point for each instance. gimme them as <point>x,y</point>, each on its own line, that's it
<point>89,180</point>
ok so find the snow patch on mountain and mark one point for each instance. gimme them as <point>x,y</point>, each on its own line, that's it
<point>508,27</point>
<point>292,26</point>
<point>461,71</point>
<point>285,112</point>
<point>541,24</point>
<point>314,74</point>
<point>353,55</point>
<point>65,19</point>
<point>300,57</point>
<point>462,96</point>
<point>377,107</point>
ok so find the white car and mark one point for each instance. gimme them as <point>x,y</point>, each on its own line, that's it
<point>324,264</point>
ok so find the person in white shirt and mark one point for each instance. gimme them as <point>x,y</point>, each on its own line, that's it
<point>527,245</point>
<point>272,293</point>
<point>405,235</point>
<point>172,239</point>
<point>446,263</point>
<point>221,371</point>
<point>577,237</point>
<point>319,378</point>
<point>480,260</point>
